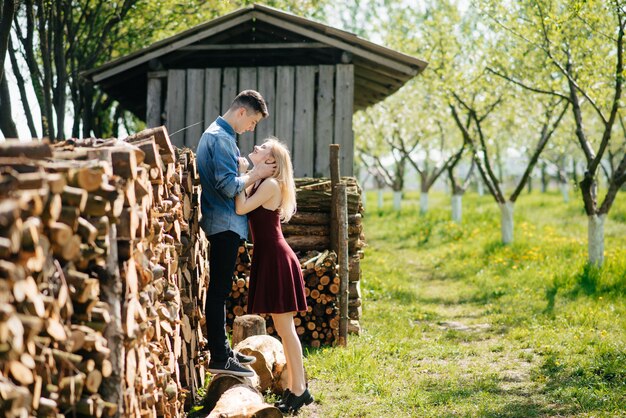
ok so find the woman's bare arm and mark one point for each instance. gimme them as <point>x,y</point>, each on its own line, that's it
<point>267,192</point>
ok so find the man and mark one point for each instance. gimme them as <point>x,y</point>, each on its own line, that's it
<point>217,158</point>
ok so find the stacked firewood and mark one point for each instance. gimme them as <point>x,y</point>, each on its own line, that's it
<point>103,270</point>
<point>320,323</point>
<point>309,229</point>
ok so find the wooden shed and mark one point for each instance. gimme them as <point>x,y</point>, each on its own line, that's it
<point>312,76</point>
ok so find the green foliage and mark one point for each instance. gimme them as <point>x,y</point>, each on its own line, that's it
<point>460,325</point>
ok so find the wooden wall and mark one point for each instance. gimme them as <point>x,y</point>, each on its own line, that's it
<point>310,107</point>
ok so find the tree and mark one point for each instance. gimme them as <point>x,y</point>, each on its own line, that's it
<point>478,141</point>
<point>569,35</point>
<point>376,148</point>
<point>6,17</point>
<point>58,40</point>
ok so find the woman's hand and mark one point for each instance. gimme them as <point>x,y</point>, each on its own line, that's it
<point>243,165</point>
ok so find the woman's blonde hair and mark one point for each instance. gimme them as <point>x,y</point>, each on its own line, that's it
<point>284,175</point>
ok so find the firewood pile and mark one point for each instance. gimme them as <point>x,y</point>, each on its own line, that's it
<point>317,326</point>
<point>309,229</point>
<point>308,234</point>
<point>103,269</point>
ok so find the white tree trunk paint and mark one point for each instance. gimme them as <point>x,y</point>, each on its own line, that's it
<point>380,198</point>
<point>506,220</point>
<point>397,200</point>
<point>595,237</point>
<point>481,188</point>
<point>565,192</point>
<point>423,202</point>
<point>457,207</point>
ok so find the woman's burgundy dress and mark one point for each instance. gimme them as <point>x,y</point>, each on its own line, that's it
<point>276,283</point>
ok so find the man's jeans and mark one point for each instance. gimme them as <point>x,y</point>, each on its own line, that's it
<point>223,255</point>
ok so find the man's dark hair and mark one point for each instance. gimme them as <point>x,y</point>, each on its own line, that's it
<point>252,101</point>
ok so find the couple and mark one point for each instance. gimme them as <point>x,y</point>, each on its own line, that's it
<point>267,195</point>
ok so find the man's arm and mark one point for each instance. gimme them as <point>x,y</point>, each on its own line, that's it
<point>227,180</point>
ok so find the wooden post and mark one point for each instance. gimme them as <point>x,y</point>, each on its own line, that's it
<point>342,221</point>
<point>339,238</point>
<point>334,180</point>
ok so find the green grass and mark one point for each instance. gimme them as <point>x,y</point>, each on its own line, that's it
<point>457,324</point>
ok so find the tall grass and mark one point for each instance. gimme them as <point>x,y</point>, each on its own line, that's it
<point>457,324</point>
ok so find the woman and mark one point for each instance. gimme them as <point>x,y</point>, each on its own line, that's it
<point>276,283</point>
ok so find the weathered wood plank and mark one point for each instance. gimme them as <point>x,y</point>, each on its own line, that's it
<point>344,101</point>
<point>247,81</point>
<point>267,88</point>
<point>194,108</point>
<point>153,101</point>
<point>176,91</point>
<point>285,77</point>
<point>229,88</point>
<point>324,119</point>
<point>304,122</point>
<point>212,95</point>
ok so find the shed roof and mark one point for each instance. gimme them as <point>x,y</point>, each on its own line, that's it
<point>259,36</point>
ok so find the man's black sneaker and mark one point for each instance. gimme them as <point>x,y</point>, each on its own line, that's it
<point>243,359</point>
<point>230,366</point>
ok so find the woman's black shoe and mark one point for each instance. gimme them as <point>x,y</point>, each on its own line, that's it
<point>293,403</point>
<point>284,396</point>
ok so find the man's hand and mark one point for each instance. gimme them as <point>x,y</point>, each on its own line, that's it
<point>243,165</point>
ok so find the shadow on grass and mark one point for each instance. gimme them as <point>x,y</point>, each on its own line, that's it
<point>525,409</point>
<point>479,298</point>
<point>590,385</point>
<point>512,403</point>
<point>591,281</point>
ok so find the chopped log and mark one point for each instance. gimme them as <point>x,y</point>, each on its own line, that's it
<point>270,363</point>
<point>33,150</point>
<point>86,231</point>
<point>161,137</point>
<point>244,402</point>
<point>124,162</point>
<point>150,150</point>
<point>74,197</point>
<point>246,326</point>
<point>89,178</point>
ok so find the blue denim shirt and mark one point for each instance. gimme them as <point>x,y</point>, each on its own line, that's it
<point>217,155</point>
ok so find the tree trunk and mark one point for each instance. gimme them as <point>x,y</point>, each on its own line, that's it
<point>21,84</point>
<point>6,17</point>
<point>457,207</point>
<point>7,125</point>
<point>564,186</point>
<point>397,200</point>
<point>595,238</point>
<point>480,186</point>
<point>544,177</point>
<point>423,202</point>
<point>506,219</point>
<point>380,198</point>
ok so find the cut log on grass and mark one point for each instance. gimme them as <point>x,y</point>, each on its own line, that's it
<point>270,363</point>
<point>242,401</point>
<point>220,383</point>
